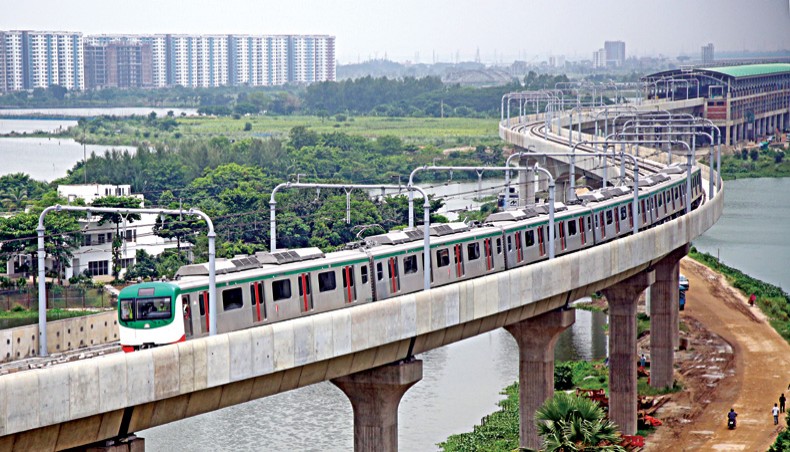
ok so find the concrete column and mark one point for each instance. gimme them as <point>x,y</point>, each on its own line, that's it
<point>622,298</point>
<point>526,182</point>
<point>131,444</point>
<point>664,318</point>
<point>375,395</point>
<point>536,338</point>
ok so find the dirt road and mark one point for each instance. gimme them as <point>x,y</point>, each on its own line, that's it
<point>734,360</point>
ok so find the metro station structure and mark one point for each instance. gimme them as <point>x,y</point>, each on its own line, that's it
<point>747,102</point>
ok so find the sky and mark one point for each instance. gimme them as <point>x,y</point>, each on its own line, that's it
<point>438,30</point>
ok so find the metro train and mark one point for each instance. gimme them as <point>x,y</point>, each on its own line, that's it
<point>270,287</point>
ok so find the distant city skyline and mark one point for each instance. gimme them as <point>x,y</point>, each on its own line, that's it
<point>440,30</point>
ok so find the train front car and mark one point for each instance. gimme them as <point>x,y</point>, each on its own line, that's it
<point>148,316</point>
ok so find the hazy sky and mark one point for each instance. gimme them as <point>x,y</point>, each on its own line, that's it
<point>509,29</point>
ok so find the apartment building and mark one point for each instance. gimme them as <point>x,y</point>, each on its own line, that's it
<point>40,59</point>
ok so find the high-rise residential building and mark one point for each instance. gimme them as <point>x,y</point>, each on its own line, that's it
<point>197,60</point>
<point>707,53</point>
<point>163,60</point>
<point>311,58</point>
<point>615,53</point>
<point>599,58</point>
<point>40,59</point>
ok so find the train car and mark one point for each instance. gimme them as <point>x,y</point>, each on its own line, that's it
<point>270,287</point>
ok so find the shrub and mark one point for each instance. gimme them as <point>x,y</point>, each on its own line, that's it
<point>247,126</point>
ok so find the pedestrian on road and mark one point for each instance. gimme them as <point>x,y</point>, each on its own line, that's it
<point>782,400</point>
<point>775,412</point>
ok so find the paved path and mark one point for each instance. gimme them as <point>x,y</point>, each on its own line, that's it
<point>750,383</point>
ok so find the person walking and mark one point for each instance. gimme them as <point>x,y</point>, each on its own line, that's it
<point>752,299</point>
<point>782,400</point>
<point>775,412</point>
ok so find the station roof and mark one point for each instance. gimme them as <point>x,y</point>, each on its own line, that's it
<point>750,70</point>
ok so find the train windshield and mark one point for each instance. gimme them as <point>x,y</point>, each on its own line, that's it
<point>146,308</point>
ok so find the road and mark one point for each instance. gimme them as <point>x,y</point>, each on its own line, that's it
<point>735,360</point>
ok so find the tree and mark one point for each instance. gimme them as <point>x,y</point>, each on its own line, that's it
<point>117,218</point>
<point>568,422</point>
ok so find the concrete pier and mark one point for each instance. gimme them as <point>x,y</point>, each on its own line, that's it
<point>536,338</point>
<point>375,395</point>
<point>664,294</point>
<point>622,298</point>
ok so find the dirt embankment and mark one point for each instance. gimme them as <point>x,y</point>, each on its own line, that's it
<point>735,359</point>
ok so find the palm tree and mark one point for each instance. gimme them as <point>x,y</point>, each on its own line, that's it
<point>571,423</point>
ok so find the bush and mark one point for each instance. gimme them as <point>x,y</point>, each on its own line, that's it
<point>247,126</point>
<point>563,376</point>
<point>754,154</point>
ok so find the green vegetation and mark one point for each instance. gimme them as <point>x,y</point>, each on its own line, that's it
<point>756,162</point>
<point>782,442</point>
<point>143,130</point>
<point>19,315</point>
<point>569,422</point>
<point>499,431</point>
<point>772,300</point>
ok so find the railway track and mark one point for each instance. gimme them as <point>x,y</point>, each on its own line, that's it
<point>59,358</point>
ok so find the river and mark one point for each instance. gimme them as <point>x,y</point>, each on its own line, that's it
<point>90,112</point>
<point>46,159</point>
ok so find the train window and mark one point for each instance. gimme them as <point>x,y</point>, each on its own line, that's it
<point>326,281</point>
<point>232,299</point>
<point>379,271</point>
<point>153,308</point>
<point>306,278</point>
<point>596,221</point>
<point>410,264</point>
<point>281,290</point>
<point>499,246</point>
<point>660,201</point>
<point>350,276</point>
<point>609,217</point>
<point>623,213</point>
<point>256,301</point>
<point>202,303</point>
<point>364,270</point>
<point>442,257</point>
<point>127,309</point>
<point>530,235</point>
<point>473,251</point>
<point>571,228</point>
<point>589,223</point>
<point>509,244</point>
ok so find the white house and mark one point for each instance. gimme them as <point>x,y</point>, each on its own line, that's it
<point>95,254</point>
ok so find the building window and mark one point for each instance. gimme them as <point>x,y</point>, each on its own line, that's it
<point>101,239</point>
<point>98,268</point>
<point>86,240</point>
<point>127,262</point>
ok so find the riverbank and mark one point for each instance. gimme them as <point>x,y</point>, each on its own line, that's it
<point>734,359</point>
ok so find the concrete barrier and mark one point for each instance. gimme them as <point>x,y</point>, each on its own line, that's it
<point>62,335</point>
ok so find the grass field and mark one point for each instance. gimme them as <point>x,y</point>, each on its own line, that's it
<point>451,130</point>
